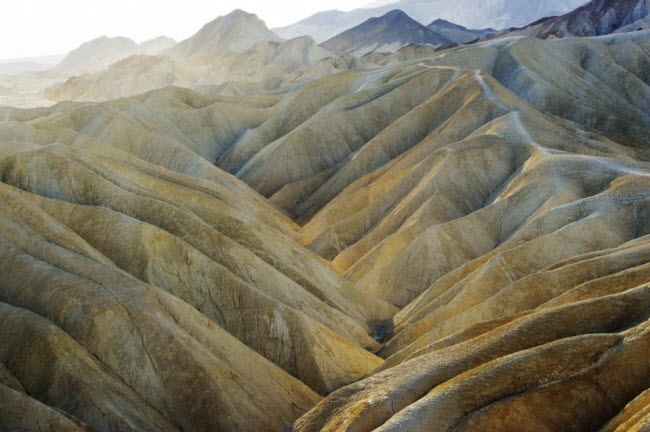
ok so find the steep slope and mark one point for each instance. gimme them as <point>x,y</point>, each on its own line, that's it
<point>457,33</point>
<point>236,32</point>
<point>471,189</point>
<point>454,240</point>
<point>577,365</point>
<point>386,33</point>
<point>96,364</point>
<point>598,17</point>
<point>387,95</point>
<point>469,13</point>
<point>641,24</point>
<point>516,244</point>
<point>257,283</point>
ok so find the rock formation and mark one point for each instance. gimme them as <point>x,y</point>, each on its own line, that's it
<point>448,241</point>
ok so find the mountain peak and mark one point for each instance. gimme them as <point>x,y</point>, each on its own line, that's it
<point>456,32</point>
<point>96,54</point>
<point>396,13</point>
<point>237,31</point>
<point>395,16</point>
<point>477,14</point>
<point>388,32</point>
<point>442,22</point>
<point>239,13</point>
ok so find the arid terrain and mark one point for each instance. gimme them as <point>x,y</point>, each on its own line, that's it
<point>242,232</point>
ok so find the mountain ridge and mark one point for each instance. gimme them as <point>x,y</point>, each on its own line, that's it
<point>446,238</point>
<point>470,13</point>
<point>596,18</point>
<point>429,226</point>
<point>457,33</point>
<point>386,33</point>
<point>236,32</point>
<point>103,51</point>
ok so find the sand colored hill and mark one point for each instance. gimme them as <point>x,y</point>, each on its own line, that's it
<point>517,251</point>
<point>454,240</point>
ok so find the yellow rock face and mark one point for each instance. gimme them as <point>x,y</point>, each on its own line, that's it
<point>455,241</point>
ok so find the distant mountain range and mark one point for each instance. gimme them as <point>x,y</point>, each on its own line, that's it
<point>598,17</point>
<point>457,33</point>
<point>220,52</point>
<point>469,13</point>
<point>386,33</point>
<point>99,53</point>
<point>240,47</point>
<point>29,64</point>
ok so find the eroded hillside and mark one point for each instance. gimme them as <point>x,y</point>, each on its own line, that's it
<point>447,241</point>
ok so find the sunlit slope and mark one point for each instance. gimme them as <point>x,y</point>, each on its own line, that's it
<point>176,233</point>
<point>424,142</point>
<point>573,364</point>
<point>593,82</point>
<point>221,258</point>
<point>515,238</point>
<point>158,283</point>
<point>109,346</point>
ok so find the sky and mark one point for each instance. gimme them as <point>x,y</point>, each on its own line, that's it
<point>46,27</point>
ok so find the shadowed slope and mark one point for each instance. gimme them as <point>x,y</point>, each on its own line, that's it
<point>595,18</point>
<point>388,32</point>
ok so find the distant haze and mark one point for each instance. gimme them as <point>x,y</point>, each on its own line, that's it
<point>378,3</point>
<point>44,27</point>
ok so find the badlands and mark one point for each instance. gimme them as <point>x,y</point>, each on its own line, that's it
<point>451,239</point>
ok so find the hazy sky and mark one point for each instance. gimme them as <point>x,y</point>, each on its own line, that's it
<point>44,27</point>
